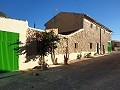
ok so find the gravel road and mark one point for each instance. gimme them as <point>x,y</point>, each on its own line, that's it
<point>101,73</point>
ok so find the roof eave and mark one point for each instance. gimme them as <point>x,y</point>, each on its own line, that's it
<point>88,17</point>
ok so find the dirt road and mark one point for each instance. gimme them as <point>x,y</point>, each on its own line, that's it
<point>101,73</point>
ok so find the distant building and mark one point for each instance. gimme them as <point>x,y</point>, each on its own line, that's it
<point>115,45</point>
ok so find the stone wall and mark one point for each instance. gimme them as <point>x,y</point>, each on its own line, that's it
<point>61,46</point>
<point>32,33</point>
<point>93,34</point>
<point>29,59</point>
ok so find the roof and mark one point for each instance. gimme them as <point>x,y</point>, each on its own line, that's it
<point>88,17</point>
<point>85,16</point>
<point>116,41</point>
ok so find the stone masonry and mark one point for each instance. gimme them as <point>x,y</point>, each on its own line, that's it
<point>83,38</point>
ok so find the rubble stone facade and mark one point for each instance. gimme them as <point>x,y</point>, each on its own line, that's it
<point>79,41</point>
<point>88,36</point>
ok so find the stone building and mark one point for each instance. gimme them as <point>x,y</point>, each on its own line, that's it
<point>84,34</point>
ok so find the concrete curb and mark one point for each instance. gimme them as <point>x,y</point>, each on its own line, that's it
<point>9,74</point>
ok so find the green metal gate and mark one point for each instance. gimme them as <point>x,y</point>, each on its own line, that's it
<point>8,55</point>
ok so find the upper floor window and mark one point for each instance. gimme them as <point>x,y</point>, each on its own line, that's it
<point>96,27</point>
<point>104,31</point>
<point>91,25</point>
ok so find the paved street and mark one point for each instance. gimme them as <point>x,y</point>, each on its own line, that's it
<point>102,73</point>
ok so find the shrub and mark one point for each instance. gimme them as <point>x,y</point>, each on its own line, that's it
<point>95,54</point>
<point>88,55</point>
<point>79,56</point>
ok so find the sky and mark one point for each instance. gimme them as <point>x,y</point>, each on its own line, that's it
<point>40,11</point>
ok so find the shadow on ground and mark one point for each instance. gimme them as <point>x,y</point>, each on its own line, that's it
<point>2,71</point>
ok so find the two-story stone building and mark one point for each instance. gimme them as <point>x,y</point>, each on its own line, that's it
<point>83,34</point>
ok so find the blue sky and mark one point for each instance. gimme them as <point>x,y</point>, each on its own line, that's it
<point>40,11</point>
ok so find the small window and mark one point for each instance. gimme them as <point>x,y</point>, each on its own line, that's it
<point>76,45</point>
<point>91,25</point>
<point>115,45</point>
<point>104,31</point>
<point>96,27</point>
<point>90,45</point>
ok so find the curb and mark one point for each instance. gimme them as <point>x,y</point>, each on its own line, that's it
<point>9,74</point>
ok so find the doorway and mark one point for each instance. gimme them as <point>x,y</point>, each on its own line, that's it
<point>103,49</point>
<point>8,57</point>
<point>98,48</point>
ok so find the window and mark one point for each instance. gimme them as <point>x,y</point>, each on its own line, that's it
<point>90,45</point>
<point>115,45</point>
<point>96,27</point>
<point>104,31</point>
<point>91,25</point>
<point>76,45</point>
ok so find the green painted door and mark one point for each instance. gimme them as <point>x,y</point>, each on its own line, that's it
<point>109,47</point>
<point>8,55</point>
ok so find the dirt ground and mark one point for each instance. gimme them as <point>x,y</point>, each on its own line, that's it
<point>101,73</point>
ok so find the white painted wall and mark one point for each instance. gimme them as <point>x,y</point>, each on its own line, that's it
<point>17,26</point>
<point>13,25</point>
